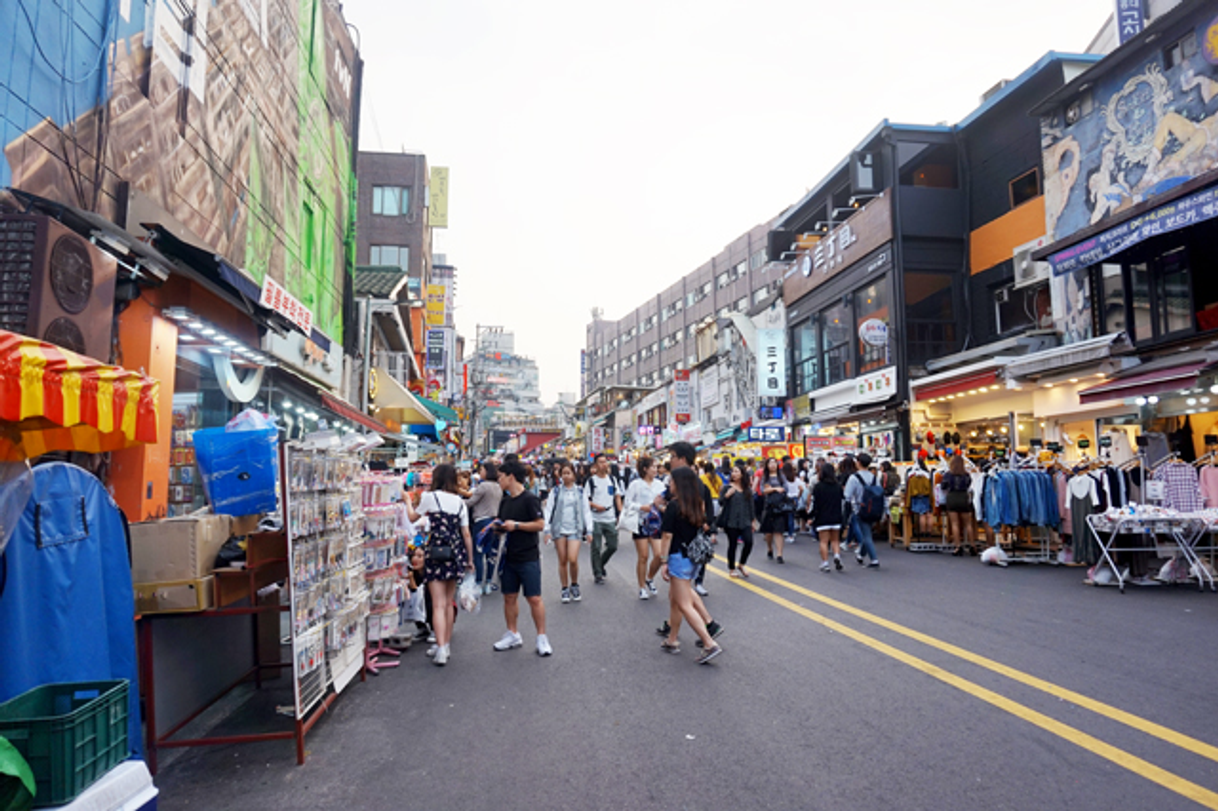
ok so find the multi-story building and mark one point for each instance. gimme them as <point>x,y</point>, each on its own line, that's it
<point>645,347</point>
<point>392,225</point>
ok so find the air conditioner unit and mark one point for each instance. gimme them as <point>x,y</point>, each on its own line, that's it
<point>1028,272</point>
<point>55,285</point>
<point>719,424</point>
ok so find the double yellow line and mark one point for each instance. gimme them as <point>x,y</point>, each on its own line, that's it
<point>1169,780</point>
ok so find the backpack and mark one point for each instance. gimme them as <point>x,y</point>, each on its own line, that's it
<point>871,505</point>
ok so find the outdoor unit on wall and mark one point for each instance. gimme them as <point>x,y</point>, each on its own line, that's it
<point>55,285</point>
<point>719,424</point>
<point>1028,272</point>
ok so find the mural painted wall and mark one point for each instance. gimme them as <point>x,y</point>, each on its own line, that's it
<point>1136,134</point>
<point>235,116</point>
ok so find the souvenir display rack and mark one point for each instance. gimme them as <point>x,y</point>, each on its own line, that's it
<point>386,529</point>
<point>329,595</point>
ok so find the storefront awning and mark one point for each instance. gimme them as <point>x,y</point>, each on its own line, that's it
<point>392,395</point>
<point>1063,357</point>
<point>1140,383</point>
<point>349,412</point>
<point>984,375</point>
<point>55,400</point>
<point>441,411</point>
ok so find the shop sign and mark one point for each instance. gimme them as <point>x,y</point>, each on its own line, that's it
<point>843,445</point>
<point>682,396</point>
<point>874,332</point>
<point>801,407</point>
<point>817,445</point>
<point>275,297</point>
<point>771,433</point>
<point>598,440</point>
<point>878,385</point>
<point>867,229</point>
<point>771,363</point>
<point>436,305</point>
<point>296,350</point>
<point>1130,19</point>
<point>435,349</point>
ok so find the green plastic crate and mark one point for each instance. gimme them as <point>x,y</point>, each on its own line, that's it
<point>70,734</point>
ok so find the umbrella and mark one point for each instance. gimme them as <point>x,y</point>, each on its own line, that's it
<point>52,399</point>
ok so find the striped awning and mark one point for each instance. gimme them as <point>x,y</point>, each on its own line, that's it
<point>52,399</point>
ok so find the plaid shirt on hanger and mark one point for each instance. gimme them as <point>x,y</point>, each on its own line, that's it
<point>1181,489</point>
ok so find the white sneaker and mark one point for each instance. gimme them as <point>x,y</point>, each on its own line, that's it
<point>651,586</point>
<point>432,650</point>
<point>431,638</point>
<point>702,592</point>
<point>441,657</point>
<point>644,594</point>
<point>543,645</point>
<point>509,641</point>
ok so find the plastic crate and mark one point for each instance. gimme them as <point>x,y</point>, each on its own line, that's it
<point>71,734</point>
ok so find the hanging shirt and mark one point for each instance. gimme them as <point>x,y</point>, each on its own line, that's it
<point>1084,487</point>
<point>1181,490</point>
<point>1209,485</point>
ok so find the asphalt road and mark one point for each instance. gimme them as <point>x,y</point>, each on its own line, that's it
<point>931,683</point>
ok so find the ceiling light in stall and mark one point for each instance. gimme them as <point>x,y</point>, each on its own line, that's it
<point>1141,401</point>
<point>1191,401</point>
<point>1152,399</point>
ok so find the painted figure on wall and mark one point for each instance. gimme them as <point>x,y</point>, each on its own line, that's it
<point>1134,136</point>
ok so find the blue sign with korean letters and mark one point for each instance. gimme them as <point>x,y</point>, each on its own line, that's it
<point>775,433</point>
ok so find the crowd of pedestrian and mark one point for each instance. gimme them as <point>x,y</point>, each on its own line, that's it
<point>490,523</point>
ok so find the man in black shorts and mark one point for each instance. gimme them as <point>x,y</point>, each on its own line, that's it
<point>521,518</point>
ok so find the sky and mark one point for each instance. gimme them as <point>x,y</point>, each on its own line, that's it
<point>600,151</point>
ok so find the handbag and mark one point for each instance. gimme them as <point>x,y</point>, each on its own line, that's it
<point>439,550</point>
<point>700,550</point>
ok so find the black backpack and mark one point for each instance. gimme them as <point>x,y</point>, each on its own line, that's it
<point>871,505</point>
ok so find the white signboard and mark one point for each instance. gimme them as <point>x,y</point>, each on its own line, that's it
<point>682,396</point>
<point>708,387</point>
<point>772,363</point>
<point>598,440</point>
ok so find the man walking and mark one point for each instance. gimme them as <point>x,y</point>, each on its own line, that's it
<point>861,515</point>
<point>520,517</point>
<point>606,503</point>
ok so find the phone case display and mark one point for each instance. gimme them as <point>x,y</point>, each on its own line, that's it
<point>386,530</point>
<point>185,490</point>
<point>330,598</point>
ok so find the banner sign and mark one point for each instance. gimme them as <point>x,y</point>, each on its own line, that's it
<point>1130,19</point>
<point>682,396</point>
<point>275,297</point>
<point>771,363</point>
<point>1186,211</point>
<point>816,445</point>
<point>438,214</point>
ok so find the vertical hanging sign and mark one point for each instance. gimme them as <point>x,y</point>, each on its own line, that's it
<point>682,396</point>
<point>1130,19</point>
<point>771,363</point>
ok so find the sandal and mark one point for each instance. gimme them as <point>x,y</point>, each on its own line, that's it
<point>743,573</point>
<point>670,647</point>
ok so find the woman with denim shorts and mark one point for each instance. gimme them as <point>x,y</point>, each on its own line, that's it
<point>683,520</point>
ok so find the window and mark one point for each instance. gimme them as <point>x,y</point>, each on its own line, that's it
<point>1028,307</point>
<point>396,255</point>
<point>872,304</point>
<point>1179,52</point>
<point>741,269</point>
<point>930,316</point>
<point>723,280</point>
<point>742,304</point>
<point>691,299</point>
<point>760,294</point>
<point>757,259</point>
<point>836,343</point>
<point>1112,299</point>
<point>723,311</point>
<point>665,372</point>
<point>1025,187</point>
<point>805,353</point>
<point>613,345</point>
<point>391,201</point>
<point>629,336</point>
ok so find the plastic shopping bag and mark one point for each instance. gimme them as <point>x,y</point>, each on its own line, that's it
<point>469,596</point>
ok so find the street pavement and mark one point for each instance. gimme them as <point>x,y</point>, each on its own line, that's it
<point>931,683</point>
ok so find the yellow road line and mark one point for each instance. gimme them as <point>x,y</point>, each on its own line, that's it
<point>1187,742</point>
<point>1169,780</point>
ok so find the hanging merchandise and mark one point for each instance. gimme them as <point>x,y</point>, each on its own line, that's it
<point>329,595</point>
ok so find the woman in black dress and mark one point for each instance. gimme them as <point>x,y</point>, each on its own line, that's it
<point>827,519</point>
<point>773,492</point>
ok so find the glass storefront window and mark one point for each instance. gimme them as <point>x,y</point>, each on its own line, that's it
<point>1175,307</point>
<point>872,302</point>
<point>836,330</point>
<point>1139,297</point>
<point>930,316</point>
<point>806,355</point>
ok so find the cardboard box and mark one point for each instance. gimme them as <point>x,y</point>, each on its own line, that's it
<point>177,549</point>
<point>175,597</point>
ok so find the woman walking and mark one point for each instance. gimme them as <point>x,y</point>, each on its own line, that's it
<point>483,506</point>
<point>958,486</point>
<point>449,553</point>
<point>683,520</point>
<point>640,505</point>
<point>568,521</point>
<point>773,491</point>
<point>795,488</point>
<point>827,519</point>
<point>737,520</point>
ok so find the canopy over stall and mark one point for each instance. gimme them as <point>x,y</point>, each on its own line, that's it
<point>52,399</point>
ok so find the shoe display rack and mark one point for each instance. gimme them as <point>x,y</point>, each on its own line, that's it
<point>330,598</point>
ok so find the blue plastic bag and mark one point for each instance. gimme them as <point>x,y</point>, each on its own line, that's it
<point>240,469</point>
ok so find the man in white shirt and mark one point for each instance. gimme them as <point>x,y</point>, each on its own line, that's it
<point>606,503</point>
<point>858,481</point>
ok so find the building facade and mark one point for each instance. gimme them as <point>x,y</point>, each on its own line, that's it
<point>392,215</point>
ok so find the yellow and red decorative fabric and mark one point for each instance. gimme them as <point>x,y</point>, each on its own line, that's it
<point>52,399</point>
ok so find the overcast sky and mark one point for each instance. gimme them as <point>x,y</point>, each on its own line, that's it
<point>599,152</point>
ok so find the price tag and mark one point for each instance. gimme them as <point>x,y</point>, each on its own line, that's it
<point>1155,491</point>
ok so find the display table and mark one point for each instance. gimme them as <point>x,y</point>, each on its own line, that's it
<point>1156,528</point>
